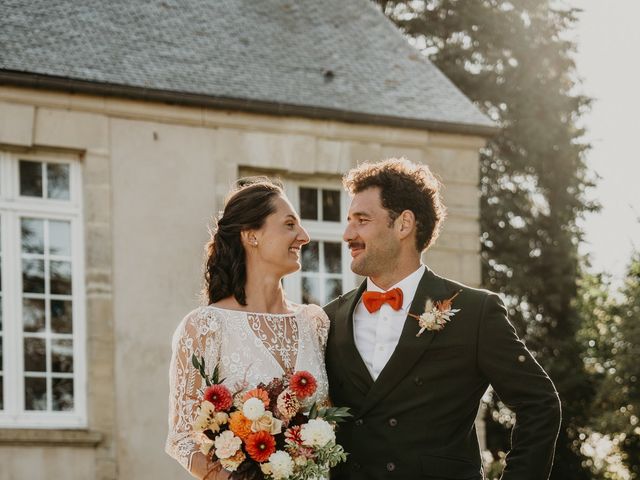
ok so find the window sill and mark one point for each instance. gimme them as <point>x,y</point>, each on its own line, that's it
<point>49,437</point>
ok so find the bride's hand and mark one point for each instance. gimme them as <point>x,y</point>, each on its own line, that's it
<point>204,469</point>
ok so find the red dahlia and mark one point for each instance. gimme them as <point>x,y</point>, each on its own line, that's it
<point>220,396</point>
<point>303,384</point>
<point>260,446</point>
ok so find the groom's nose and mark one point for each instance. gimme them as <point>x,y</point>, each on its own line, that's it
<point>348,234</point>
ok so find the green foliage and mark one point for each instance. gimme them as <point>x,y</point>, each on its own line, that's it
<point>330,414</point>
<point>198,364</point>
<point>514,60</point>
<point>610,336</point>
<point>327,457</point>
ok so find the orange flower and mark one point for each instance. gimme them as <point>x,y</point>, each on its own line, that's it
<point>240,425</point>
<point>257,393</point>
<point>260,446</point>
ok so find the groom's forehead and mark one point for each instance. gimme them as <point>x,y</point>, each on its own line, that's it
<point>368,200</point>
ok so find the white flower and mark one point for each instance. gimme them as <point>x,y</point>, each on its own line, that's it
<point>227,444</point>
<point>253,409</point>
<point>317,433</point>
<point>281,465</point>
<point>206,418</point>
<point>221,418</point>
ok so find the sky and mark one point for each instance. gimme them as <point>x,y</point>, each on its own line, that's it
<point>608,41</point>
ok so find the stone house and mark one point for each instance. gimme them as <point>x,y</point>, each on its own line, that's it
<point>122,126</point>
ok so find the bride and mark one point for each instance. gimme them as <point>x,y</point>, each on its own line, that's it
<point>249,328</point>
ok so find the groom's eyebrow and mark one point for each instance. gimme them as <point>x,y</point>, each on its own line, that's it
<point>358,214</point>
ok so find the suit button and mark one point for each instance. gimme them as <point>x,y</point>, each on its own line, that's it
<point>359,422</point>
<point>391,467</point>
<point>356,466</point>
<point>393,422</point>
<point>417,381</point>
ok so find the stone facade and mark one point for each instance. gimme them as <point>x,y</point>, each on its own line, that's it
<point>153,176</point>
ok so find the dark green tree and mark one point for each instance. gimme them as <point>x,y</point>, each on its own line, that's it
<point>514,60</point>
<point>610,336</point>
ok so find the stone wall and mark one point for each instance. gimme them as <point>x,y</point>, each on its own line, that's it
<point>153,176</point>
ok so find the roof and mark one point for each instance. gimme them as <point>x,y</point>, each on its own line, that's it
<point>338,59</point>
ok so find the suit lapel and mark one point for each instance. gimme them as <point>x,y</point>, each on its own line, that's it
<point>352,362</point>
<point>410,348</point>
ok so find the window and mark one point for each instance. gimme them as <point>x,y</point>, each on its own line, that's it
<point>42,377</point>
<point>325,272</point>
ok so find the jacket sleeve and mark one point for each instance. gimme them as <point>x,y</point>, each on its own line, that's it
<point>525,388</point>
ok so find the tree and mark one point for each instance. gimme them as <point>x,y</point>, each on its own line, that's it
<point>611,340</point>
<point>513,59</point>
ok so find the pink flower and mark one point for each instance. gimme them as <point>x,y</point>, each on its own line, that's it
<point>227,444</point>
<point>288,405</point>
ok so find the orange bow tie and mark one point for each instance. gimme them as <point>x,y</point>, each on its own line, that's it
<point>374,300</point>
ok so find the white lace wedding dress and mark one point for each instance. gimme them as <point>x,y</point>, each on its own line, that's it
<point>249,348</point>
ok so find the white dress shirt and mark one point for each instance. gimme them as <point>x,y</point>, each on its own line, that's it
<point>377,334</point>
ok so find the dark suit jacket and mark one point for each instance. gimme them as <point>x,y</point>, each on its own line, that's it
<point>417,419</point>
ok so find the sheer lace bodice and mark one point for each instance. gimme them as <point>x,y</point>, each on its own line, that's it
<point>249,348</point>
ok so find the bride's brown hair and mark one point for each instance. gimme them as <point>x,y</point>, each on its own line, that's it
<point>246,208</point>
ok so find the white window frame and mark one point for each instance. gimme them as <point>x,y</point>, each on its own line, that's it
<point>321,231</point>
<point>12,208</point>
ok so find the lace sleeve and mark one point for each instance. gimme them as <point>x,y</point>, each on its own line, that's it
<point>196,334</point>
<point>320,322</point>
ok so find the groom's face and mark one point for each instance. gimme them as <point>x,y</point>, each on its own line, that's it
<point>371,235</point>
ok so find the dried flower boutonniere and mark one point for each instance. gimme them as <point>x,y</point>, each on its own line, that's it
<point>436,314</point>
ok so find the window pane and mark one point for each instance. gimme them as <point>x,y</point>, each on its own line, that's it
<point>62,394</point>
<point>309,203</point>
<point>61,278</point>
<point>35,359</point>
<point>333,288</point>
<point>1,359</point>
<point>58,181</point>
<point>332,257</point>
<point>61,316</point>
<point>331,205</point>
<point>32,233</point>
<point>310,290</point>
<point>33,276</point>
<point>1,393</point>
<point>35,393</point>
<point>62,356</point>
<point>59,238</point>
<point>33,319</point>
<point>30,178</point>
<point>310,257</point>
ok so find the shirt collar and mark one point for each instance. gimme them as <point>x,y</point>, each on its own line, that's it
<point>408,284</point>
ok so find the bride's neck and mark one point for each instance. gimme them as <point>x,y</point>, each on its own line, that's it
<point>264,293</point>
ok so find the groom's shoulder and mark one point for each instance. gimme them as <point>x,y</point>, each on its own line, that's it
<point>331,307</point>
<point>468,292</point>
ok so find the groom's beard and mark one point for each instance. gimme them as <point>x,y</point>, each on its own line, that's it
<point>374,259</point>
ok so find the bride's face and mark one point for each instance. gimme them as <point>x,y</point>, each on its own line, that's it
<point>280,239</point>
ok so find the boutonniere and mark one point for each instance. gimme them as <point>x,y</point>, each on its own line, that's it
<point>436,314</point>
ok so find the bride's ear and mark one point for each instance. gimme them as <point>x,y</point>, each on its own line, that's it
<point>249,239</point>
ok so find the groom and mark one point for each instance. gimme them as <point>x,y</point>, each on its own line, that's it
<point>412,353</point>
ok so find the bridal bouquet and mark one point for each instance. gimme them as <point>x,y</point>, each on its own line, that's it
<point>266,433</point>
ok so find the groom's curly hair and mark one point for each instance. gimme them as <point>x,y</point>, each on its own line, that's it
<point>404,185</point>
<point>246,208</point>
